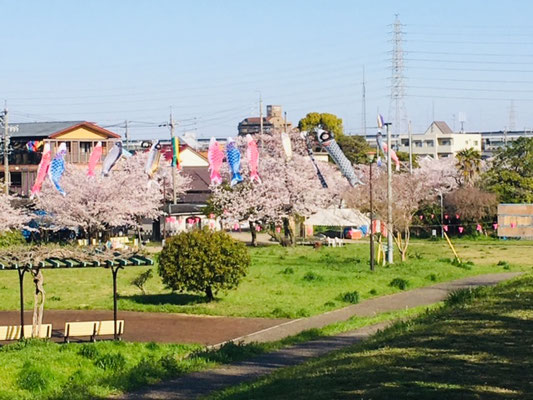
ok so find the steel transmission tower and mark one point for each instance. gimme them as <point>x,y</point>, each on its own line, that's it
<point>397,112</point>
<point>512,117</point>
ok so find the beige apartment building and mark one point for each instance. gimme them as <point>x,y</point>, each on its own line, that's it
<point>439,141</point>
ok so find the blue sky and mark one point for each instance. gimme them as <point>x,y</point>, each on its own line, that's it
<point>110,61</point>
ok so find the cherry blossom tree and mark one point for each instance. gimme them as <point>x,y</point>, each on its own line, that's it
<point>96,204</point>
<point>11,217</point>
<point>410,192</point>
<point>289,190</point>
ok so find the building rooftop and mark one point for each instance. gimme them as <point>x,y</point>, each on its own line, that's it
<point>48,129</point>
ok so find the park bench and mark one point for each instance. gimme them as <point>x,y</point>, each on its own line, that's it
<point>13,332</point>
<point>92,329</point>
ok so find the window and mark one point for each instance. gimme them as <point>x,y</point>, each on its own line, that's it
<point>475,143</point>
<point>85,147</point>
<point>418,143</point>
<point>16,178</point>
<point>405,142</point>
<point>429,143</point>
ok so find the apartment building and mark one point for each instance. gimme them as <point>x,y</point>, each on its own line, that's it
<point>439,141</point>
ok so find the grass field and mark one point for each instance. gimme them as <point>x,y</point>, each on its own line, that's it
<point>46,370</point>
<point>479,346</point>
<point>293,282</point>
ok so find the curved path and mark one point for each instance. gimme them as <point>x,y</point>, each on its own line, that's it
<point>199,384</point>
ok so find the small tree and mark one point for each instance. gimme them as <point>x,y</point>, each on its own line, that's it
<point>203,261</point>
<point>141,279</point>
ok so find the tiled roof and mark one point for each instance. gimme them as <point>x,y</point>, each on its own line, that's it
<point>40,129</point>
<point>443,126</point>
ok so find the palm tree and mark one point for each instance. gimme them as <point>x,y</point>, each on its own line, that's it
<point>469,164</point>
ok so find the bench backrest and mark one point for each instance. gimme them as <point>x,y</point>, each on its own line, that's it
<point>108,327</point>
<point>93,328</point>
<point>13,332</point>
<point>80,328</point>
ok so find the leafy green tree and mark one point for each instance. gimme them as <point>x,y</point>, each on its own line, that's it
<point>354,147</point>
<point>203,261</point>
<point>469,165</point>
<point>329,122</point>
<point>404,157</point>
<point>511,173</point>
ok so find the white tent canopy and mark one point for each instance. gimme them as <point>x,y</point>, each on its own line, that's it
<point>338,217</point>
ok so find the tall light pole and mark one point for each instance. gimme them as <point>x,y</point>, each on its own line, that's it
<point>441,216</point>
<point>7,177</point>
<point>174,154</point>
<point>389,198</point>
<point>371,159</point>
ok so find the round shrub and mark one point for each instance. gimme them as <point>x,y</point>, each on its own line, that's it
<point>400,283</point>
<point>203,261</point>
<point>351,297</point>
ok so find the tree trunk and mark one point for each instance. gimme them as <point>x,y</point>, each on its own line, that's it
<point>290,233</point>
<point>253,233</point>
<point>38,302</point>
<point>402,244</point>
<point>209,293</point>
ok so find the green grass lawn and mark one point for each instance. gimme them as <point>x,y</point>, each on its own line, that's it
<point>479,346</point>
<point>45,370</point>
<point>282,282</point>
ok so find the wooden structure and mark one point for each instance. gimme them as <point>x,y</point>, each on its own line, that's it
<point>51,263</point>
<point>515,221</point>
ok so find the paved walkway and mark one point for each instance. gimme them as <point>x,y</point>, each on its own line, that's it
<point>156,327</point>
<point>199,384</point>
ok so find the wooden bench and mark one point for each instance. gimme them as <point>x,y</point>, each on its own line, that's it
<point>13,332</point>
<point>92,329</point>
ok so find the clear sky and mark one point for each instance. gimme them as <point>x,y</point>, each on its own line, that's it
<point>111,61</point>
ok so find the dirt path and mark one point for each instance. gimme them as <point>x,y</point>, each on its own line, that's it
<point>157,327</point>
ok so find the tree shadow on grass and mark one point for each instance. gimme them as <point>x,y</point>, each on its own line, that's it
<point>175,299</point>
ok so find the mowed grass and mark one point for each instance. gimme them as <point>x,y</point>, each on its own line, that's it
<point>478,346</point>
<point>282,282</point>
<point>45,370</point>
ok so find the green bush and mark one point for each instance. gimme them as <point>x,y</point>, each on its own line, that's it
<point>203,261</point>
<point>351,297</point>
<point>111,362</point>
<point>11,238</point>
<point>462,297</point>
<point>400,283</point>
<point>311,276</point>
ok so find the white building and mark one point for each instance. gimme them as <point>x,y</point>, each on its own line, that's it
<point>440,141</point>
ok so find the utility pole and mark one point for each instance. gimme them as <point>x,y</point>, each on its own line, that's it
<point>410,132</point>
<point>7,177</point>
<point>363,111</point>
<point>171,125</point>
<point>126,134</point>
<point>260,114</point>
<point>285,120</point>
<point>389,197</point>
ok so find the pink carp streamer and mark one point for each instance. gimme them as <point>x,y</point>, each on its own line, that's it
<point>215,156</point>
<point>94,158</point>
<point>393,156</point>
<point>42,170</point>
<point>252,156</point>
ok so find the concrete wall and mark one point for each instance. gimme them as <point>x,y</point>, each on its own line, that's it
<point>515,220</point>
